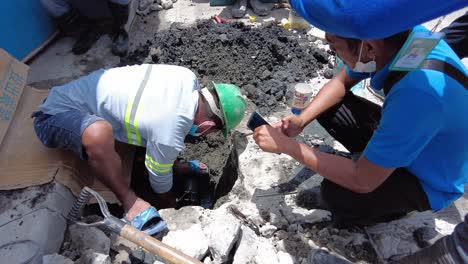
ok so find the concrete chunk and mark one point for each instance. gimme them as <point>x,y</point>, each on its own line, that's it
<point>83,238</point>
<point>56,259</point>
<point>191,241</point>
<point>91,257</point>
<point>253,249</point>
<point>223,231</point>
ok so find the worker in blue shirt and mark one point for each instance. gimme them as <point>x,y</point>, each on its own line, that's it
<point>424,115</point>
<point>402,167</point>
<point>372,19</point>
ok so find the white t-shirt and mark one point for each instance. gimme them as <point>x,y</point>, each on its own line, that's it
<point>147,105</point>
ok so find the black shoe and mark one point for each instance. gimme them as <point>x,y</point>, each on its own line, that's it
<point>68,23</point>
<point>120,44</point>
<point>311,199</point>
<point>426,236</point>
<point>437,253</point>
<point>120,40</point>
<point>86,40</point>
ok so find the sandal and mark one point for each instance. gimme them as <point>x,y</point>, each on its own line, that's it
<point>149,221</point>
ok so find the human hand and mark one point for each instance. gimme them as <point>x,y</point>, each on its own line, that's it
<point>271,139</point>
<point>291,125</point>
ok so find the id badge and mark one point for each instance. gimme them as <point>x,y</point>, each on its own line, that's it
<point>415,50</point>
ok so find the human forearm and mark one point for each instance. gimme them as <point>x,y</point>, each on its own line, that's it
<point>331,94</point>
<point>342,171</point>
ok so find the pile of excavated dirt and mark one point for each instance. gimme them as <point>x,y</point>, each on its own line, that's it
<point>265,62</point>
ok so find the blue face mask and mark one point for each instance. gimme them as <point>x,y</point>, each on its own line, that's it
<point>193,130</point>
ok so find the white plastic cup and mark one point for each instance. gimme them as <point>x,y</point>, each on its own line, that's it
<point>301,97</point>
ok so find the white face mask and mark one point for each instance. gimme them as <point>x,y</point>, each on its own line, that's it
<point>367,67</point>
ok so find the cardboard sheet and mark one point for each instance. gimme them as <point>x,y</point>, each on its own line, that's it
<point>13,75</point>
<point>25,162</point>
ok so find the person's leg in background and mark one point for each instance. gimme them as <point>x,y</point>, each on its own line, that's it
<point>352,123</point>
<point>64,16</point>
<point>450,249</point>
<point>456,35</point>
<point>69,21</point>
<point>120,11</point>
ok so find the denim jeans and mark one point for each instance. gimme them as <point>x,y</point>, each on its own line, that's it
<point>63,130</point>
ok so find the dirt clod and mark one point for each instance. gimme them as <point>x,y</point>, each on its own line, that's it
<point>264,61</point>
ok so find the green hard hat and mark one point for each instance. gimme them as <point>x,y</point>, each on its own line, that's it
<point>232,105</point>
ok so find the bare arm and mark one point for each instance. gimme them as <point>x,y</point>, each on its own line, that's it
<point>362,176</point>
<point>331,94</point>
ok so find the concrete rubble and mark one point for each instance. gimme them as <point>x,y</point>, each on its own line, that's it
<point>91,257</point>
<point>184,240</point>
<point>56,259</point>
<point>84,238</point>
<point>32,222</point>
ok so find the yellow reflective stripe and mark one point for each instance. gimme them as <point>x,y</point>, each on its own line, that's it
<point>157,164</point>
<point>130,119</point>
<point>135,126</point>
<point>152,167</point>
<point>128,113</point>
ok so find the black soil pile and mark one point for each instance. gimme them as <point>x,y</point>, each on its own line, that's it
<point>264,61</point>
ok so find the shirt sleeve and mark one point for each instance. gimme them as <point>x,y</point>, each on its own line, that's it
<point>162,151</point>
<point>371,19</point>
<point>410,120</point>
<point>159,161</point>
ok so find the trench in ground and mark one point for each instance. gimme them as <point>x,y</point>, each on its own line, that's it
<point>191,190</point>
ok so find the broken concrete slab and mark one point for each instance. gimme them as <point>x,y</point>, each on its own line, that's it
<point>83,238</point>
<point>192,241</point>
<point>285,258</point>
<point>301,215</point>
<point>183,218</point>
<point>268,230</point>
<point>395,239</point>
<point>27,214</point>
<point>56,259</point>
<point>91,257</point>
<point>223,231</point>
<point>261,170</point>
<point>254,249</point>
<point>122,258</point>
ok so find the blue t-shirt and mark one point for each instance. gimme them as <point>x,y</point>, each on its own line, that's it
<point>372,19</point>
<point>424,127</point>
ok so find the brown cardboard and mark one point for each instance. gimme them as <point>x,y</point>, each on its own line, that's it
<point>13,75</point>
<point>25,162</point>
